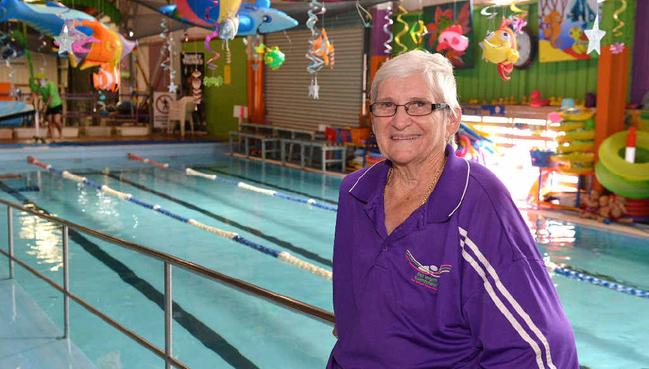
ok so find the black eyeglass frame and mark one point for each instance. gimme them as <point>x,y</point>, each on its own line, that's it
<point>433,107</point>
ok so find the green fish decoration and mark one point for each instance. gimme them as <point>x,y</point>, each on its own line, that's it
<point>273,57</point>
<point>213,81</point>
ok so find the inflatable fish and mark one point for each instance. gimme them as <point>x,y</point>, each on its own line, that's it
<point>107,48</point>
<point>499,47</point>
<point>254,19</point>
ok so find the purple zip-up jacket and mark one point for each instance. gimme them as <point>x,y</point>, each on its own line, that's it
<point>460,284</point>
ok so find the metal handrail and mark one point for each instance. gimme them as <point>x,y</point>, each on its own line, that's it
<point>168,260</point>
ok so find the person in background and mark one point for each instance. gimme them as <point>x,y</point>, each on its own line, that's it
<point>433,265</point>
<point>49,93</point>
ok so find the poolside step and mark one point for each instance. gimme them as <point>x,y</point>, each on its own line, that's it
<point>28,338</point>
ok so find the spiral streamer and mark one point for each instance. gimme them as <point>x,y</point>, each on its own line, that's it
<point>485,11</point>
<point>366,17</point>
<point>228,53</point>
<point>404,31</point>
<point>216,56</point>
<point>315,61</point>
<point>167,49</point>
<point>418,31</point>
<point>616,16</point>
<point>387,29</point>
<point>513,7</point>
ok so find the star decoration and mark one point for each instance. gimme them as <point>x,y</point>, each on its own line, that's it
<point>595,36</point>
<point>172,88</point>
<point>65,40</point>
<point>314,90</point>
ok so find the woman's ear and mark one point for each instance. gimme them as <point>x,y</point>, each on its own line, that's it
<point>453,124</point>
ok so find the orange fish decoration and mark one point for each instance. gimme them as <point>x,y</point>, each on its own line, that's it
<point>106,79</point>
<point>324,49</point>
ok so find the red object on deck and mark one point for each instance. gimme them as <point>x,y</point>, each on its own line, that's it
<point>630,138</point>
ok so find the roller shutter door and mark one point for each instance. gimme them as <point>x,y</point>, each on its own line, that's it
<point>286,89</point>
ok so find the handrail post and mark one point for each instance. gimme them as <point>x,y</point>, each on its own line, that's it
<point>168,315</point>
<point>10,236</point>
<point>66,285</point>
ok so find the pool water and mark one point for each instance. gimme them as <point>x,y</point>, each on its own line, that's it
<point>217,327</point>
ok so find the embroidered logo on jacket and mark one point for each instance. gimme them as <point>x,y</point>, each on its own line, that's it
<point>427,275</point>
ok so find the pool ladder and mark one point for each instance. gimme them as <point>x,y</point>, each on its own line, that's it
<point>169,262</point>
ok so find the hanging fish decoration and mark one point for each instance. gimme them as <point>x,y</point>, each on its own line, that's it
<point>499,47</point>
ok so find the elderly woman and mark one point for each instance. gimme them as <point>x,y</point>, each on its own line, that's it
<point>433,265</point>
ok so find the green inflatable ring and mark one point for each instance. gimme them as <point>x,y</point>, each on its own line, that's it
<point>611,154</point>
<point>619,185</point>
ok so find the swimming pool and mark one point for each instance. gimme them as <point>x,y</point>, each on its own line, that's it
<point>217,327</point>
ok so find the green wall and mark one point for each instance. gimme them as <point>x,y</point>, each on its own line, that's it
<point>219,101</point>
<point>565,79</point>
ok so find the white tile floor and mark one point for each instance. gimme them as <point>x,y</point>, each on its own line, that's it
<point>28,338</point>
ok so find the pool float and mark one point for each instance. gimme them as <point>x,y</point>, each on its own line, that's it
<point>619,176</point>
<point>577,135</point>
<point>577,115</point>
<point>567,126</point>
<point>575,157</point>
<point>575,146</point>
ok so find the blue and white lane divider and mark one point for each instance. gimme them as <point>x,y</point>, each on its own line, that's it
<point>242,185</point>
<point>573,274</point>
<point>281,255</point>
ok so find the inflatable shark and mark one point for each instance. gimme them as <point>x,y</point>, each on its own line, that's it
<point>254,19</point>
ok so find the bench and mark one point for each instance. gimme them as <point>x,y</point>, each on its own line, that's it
<point>324,147</point>
<point>267,142</point>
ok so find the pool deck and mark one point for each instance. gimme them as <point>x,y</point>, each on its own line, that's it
<point>98,148</point>
<point>636,230</point>
<point>28,338</point>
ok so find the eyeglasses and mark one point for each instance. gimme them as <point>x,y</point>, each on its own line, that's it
<point>413,108</point>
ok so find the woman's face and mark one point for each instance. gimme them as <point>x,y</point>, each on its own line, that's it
<point>406,139</point>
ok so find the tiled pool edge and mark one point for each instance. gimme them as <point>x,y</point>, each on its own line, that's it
<point>107,151</point>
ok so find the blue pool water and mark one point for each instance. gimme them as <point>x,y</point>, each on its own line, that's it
<point>217,327</point>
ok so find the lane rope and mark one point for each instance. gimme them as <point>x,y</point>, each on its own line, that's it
<point>281,255</point>
<point>245,186</point>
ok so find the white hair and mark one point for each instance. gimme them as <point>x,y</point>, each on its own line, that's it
<point>436,69</point>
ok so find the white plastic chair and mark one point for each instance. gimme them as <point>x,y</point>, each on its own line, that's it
<point>179,111</point>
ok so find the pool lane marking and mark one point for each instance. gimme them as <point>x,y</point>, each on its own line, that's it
<point>280,255</point>
<point>256,232</point>
<point>207,336</point>
<point>213,177</point>
<point>212,169</point>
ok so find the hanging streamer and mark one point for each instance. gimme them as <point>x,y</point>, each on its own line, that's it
<point>366,17</point>
<point>387,29</point>
<point>316,62</point>
<point>485,11</point>
<point>404,31</point>
<point>417,32</point>
<point>616,16</point>
<point>513,7</point>
<point>208,47</point>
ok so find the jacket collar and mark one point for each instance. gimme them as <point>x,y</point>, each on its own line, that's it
<point>442,203</point>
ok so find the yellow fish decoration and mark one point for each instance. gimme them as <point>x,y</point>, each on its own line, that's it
<point>500,47</point>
